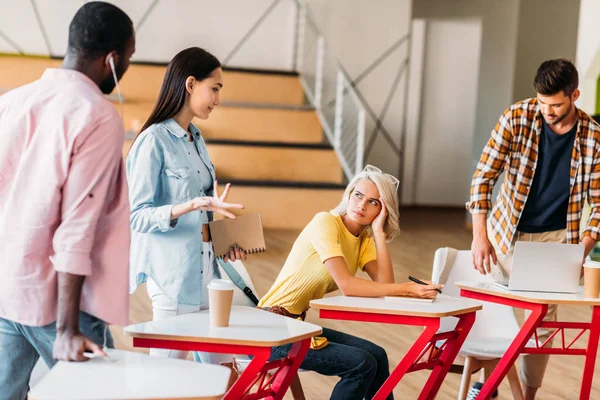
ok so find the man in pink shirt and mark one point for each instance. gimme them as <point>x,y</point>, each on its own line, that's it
<point>64,212</point>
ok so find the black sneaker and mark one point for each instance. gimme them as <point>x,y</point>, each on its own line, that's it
<point>474,391</point>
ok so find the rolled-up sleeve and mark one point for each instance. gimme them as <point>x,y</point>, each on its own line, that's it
<point>490,166</point>
<point>144,165</point>
<point>94,169</point>
<point>593,227</point>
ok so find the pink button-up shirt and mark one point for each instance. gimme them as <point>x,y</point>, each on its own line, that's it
<point>63,199</point>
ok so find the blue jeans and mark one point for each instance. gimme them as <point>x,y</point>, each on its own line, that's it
<point>362,366</point>
<point>21,346</point>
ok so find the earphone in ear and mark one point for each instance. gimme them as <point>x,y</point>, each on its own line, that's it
<point>111,62</point>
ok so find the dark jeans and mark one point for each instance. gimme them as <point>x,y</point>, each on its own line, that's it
<point>362,366</point>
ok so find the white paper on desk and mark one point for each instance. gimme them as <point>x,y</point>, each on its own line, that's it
<point>402,299</point>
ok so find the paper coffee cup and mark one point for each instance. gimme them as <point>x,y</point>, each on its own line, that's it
<point>220,297</point>
<point>591,278</point>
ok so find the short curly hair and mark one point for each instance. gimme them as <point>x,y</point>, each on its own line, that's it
<point>99,28</point>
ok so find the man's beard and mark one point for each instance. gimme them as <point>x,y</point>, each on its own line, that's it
<point>108,84</point>
<point>559,119</point>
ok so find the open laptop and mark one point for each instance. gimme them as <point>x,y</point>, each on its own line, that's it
<point>545,267</point>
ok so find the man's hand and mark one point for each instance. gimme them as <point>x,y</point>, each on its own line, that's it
<point>589,244</point>
<point>482,251</point>
<point>483,254</point>
<point>71,346</point>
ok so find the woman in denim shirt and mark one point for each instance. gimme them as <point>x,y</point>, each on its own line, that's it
<point>173,192</point>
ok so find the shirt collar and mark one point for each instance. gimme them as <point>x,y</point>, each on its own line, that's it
<point>65,74</point>
<point>175,129</point>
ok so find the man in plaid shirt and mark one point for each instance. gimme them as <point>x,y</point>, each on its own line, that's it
<point>550,153</point>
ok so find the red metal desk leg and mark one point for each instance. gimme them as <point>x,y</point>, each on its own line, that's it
<point>412,356</point>
<point>538,311</point>
<point>284,376</point>
<point>257,372</point>
<point>590,355</point>
<point>449,353</point>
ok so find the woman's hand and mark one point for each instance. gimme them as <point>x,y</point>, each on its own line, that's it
<point>235,253</point>
<point>412,289</point>
<point>215,204</point>
<point>379,221</point>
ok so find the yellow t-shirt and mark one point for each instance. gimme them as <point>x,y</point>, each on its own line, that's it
<point>304,277</point>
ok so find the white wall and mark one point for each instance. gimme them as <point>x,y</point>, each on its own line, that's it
<point>409,177</point>
<point>358,32</point>
<point>540,40</point>
<point>499,19</point>
<point>452,48</point>
<point>517,35</point>
<point>170,27</point>
<point>588,53</point>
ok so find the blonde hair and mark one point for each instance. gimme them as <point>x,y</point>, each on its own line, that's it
<point>387,185</point>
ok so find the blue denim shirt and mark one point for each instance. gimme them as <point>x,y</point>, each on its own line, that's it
<point>162,172</point>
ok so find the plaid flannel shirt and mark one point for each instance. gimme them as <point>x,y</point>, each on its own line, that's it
<point>513,149</point>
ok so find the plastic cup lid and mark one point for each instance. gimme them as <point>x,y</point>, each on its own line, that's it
<point>589,263</point>
<point>221,284</point>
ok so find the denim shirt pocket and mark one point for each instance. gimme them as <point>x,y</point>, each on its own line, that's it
<point>177,183</point>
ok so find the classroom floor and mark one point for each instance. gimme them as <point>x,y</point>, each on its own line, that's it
<point>423,231</point>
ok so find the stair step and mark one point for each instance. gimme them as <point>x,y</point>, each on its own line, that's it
<point>274,163</point>
<point>287,184</point>
<point>285,205</point>
<point>267,71</point>
<point>142,81</point>
<point>297,164</point>
<point>256,143</point>
<point>264,87</point>
<point>262,124</point>
<point>252,124</point>
<point>244,104</point>
<point>16,71</point>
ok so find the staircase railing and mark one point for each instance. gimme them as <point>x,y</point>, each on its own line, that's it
<point>326,85</point>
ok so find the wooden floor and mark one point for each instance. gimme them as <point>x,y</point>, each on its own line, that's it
<point>423,231</point>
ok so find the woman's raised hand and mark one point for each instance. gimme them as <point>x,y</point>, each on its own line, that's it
<point>216,203</point>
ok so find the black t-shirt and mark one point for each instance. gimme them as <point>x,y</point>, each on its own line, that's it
<point>548,200</point>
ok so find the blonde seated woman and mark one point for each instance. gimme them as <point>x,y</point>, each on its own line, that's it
<point>325,257</point>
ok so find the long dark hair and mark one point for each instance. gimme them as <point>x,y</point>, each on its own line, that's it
<point>193,61</point>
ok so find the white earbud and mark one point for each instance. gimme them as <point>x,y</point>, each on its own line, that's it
<point>111,62</point>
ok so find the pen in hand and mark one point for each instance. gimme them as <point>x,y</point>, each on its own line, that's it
<point>420,282</point>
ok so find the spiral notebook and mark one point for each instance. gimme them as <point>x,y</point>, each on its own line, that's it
<point>246,231</point>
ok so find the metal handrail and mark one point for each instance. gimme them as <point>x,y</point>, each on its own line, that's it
<point>322,75</point>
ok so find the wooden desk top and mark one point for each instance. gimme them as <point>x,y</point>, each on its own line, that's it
<point>443,306</point>
<point>532,297</point>
<point>248,326</point>
<point>128,375</point>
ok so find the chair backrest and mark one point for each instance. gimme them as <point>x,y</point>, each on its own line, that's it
<point>239,297</point>
<point>494,320</point>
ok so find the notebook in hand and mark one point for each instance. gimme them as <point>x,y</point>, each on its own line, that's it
<point>404,299</point>
<point>246,231</point>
